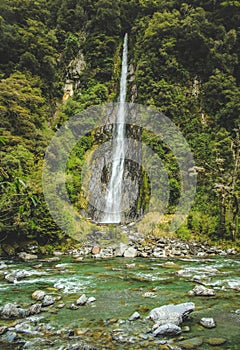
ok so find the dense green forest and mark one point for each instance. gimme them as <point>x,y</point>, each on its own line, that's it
<point>185,61</point>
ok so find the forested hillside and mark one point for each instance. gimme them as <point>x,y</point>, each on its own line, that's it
<point>185,62</point>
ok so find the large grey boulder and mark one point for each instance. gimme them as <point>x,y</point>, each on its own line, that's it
<point>12,310</point>
<point>171,313</point>
<point>119,251</point>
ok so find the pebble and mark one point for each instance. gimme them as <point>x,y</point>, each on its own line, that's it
<point>191,343</point>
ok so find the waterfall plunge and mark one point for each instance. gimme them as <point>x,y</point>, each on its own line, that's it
<point>113,198</point>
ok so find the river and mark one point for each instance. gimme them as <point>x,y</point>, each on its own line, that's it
<point>121,286</point>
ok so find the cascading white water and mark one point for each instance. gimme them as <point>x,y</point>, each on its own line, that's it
<point>113,198</point>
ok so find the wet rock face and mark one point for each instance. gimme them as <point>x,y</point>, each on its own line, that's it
<point>96,180</point>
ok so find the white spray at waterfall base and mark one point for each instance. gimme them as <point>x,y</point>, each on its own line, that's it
<point>113,198</point>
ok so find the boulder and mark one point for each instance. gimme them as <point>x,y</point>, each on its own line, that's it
<point>10,337</point>
<point>16,275</point>
<point>38,295</point>
<point>26,256</point>
<point>12,310</point>
<point>201,291</point>
<point>171,313</point>
<point>3,329</point>
<point>35,309</point>
<point>48,300</point>
<point>168,329</point>
<point>119,251</point>
<point>130,252</point>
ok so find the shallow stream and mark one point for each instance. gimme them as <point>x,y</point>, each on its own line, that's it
<point>120,290</point>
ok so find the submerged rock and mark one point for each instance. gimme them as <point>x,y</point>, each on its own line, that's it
<point>216,341</point>
<point>192,343</point>
<point>201,291</point>
<point>208,322</point>
<point>167,329</point>
<point>130,266</point>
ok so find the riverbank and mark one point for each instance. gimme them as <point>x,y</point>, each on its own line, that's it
<point>130,243</point>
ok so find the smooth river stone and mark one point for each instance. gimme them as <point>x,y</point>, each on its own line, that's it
<point>208,322</point>
<point>167,329</point>
<point>96,250</point>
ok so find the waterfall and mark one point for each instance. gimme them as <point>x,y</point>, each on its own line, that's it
<point>113,198</point>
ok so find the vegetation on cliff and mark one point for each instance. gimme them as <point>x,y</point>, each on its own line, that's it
<point>185,61</point>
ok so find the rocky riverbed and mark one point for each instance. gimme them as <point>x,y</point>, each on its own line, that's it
<point>155,294</point>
